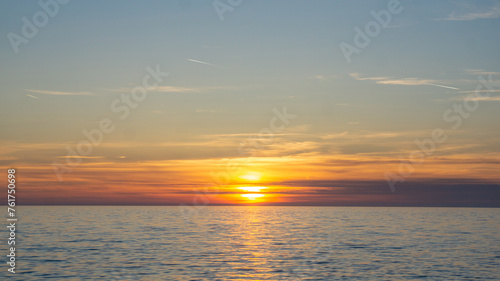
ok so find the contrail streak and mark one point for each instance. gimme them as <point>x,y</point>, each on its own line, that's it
<point>443,86</point>
<point>202,62</point>
<point>32,96</point>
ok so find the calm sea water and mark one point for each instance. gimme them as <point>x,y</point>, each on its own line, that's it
<point>256,243</point>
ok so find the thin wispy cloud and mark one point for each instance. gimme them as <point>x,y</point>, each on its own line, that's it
<point>358,77</point>
<point>487,98</point>
<point>475,98</point>
<point>402,81</point>
<point>173,89</point>
<point>80,156</point>
<point>482,72</point>
<point>323,77</point>
<point>490,13</point>
<point>160,89</point>
<point>480,91</point>
<point>176,89</point>
<point>59,93</point>
<point>406,82</point>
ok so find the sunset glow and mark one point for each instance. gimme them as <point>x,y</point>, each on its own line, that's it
<point>203,112</point>
<point>250,140</point>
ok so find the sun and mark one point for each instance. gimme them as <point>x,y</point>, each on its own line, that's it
<point>252,193</point>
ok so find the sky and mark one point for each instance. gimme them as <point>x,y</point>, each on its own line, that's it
<point>374,103</point>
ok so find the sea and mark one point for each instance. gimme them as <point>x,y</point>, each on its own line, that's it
<point>254,243</point>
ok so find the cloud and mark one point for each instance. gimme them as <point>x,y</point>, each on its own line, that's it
<point>480,91</point>
<point>423,192</point>
<point>415,82</point>
<point>406,82</point>
<point>173,89</point>
<point>358,77</point>
<point>176,89</point>
<point>80,156</point>
<point>402,81</point>
<point>491,13</point>
<point>58,93</point>
<point>493,81</point>
<point>473,98</point>
<point>323,77</point>
<point>364,135</point>
<point>482,72</point>
<point>488,98</point>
